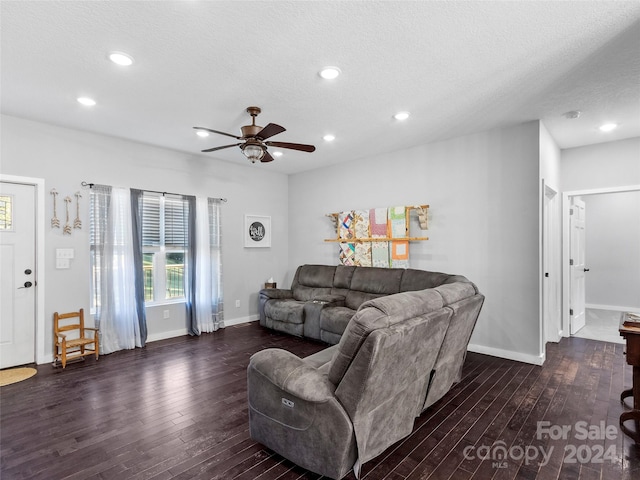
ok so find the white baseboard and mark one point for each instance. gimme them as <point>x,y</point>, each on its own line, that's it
<point>178,333</point>
<point>154,337</point>
<point>508,354</point>
<point>238,321</point>
<point>614,308</point>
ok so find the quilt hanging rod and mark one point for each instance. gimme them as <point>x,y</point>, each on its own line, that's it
<point>90,185</point>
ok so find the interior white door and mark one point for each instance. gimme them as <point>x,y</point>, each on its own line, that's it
<point>17,274</point>
<point>577,264</point>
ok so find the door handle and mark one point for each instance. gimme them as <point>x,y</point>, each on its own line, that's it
<point>586,269</point>
<point>26,285</point>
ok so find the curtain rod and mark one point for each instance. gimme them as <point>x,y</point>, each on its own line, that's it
<point>90,185</point>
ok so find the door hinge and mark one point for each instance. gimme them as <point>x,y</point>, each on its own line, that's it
<point>571,261</point>
<point>571,211</point>
<point>571,311</point>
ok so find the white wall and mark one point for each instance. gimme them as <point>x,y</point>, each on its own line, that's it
<point>613,250</point>
<point>483,191</point>
<point>551,241</point>
<point>604,165</point>
<point>64,158</point>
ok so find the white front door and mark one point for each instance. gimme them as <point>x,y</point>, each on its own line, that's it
<point>17,274</point>
<point>577,264</point>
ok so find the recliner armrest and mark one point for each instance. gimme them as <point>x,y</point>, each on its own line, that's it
<point>278,293</point>
<point>292,375</point>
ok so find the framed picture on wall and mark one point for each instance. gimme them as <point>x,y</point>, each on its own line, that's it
<point>257,231</point>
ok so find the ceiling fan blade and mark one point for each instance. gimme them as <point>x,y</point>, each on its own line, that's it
<point>293,146</point>
<point>216,131</point>
<point>269,131</point>
<point>266,158</point>
<point>220,148</point>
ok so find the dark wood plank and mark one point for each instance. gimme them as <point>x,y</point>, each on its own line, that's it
<point>177,409</point>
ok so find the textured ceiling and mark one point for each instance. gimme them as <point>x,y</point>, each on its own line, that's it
<point>458,67</point>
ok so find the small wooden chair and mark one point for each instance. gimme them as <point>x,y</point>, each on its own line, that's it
<point>74,342</point>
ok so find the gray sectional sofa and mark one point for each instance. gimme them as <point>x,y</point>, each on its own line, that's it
<point>323,298</point>
<point>398,354</point>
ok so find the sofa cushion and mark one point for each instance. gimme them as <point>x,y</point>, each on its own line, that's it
<point>316,275</point>
<point>453,292</point>
<point>421,279</point>
<point>311,281</point>
<point>304,293</point>
<point>343,275</point>
<point>289,311</point>
<point>379,313</point>
<point>372,282</point>
<point>335,319</point>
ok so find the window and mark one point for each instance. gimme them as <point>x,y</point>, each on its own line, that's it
<point>164,240</point>
<point>6,212</point>
<point>165,235</point>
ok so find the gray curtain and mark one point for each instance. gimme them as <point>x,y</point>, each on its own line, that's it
<point>136,220</point>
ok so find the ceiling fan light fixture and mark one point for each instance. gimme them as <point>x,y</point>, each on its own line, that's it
<point>253,152</point>
<point>330,73</point>
<point>121,59</point>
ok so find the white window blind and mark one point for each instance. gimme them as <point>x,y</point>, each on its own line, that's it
<point>164,220</point>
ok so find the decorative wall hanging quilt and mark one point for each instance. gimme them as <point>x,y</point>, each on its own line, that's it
<point>400,254</point>
<point>398,229</point>
<point>378,226</point>
<point>346,231</point>
<point>348,254</point>
<point>361,228</point>
<point>398,226</point>
<point>378,222</point>
<point>346,225</point>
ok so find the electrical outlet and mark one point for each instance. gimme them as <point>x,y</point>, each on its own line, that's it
<point>165,314</point>
<point>237,303</point>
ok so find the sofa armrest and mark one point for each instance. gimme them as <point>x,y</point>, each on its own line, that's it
<point>278,293</point>
<point>292,375</point>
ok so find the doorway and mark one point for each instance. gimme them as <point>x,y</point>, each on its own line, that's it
<point>600,305</point>
<point>22,332</point>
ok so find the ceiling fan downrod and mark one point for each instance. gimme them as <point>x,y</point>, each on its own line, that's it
<point>253,129</point>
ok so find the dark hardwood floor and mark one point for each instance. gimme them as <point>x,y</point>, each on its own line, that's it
<point>178,409</point>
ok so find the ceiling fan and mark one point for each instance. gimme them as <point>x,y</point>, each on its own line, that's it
<point>253,138</point>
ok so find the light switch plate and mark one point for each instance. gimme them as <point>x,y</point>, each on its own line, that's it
<point>64,253</point>
<point>62,263</point>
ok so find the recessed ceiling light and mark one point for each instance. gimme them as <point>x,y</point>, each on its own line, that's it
<point>607,127</point>
<point>329,138</point>
<point>120,58</point>
<point>86,101</point>
<point>329,73</point>
<point>401,115</point>
<point>277,154</point>
<point>202,133</point>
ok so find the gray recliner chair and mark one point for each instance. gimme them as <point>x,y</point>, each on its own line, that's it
<point>343,406</point>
